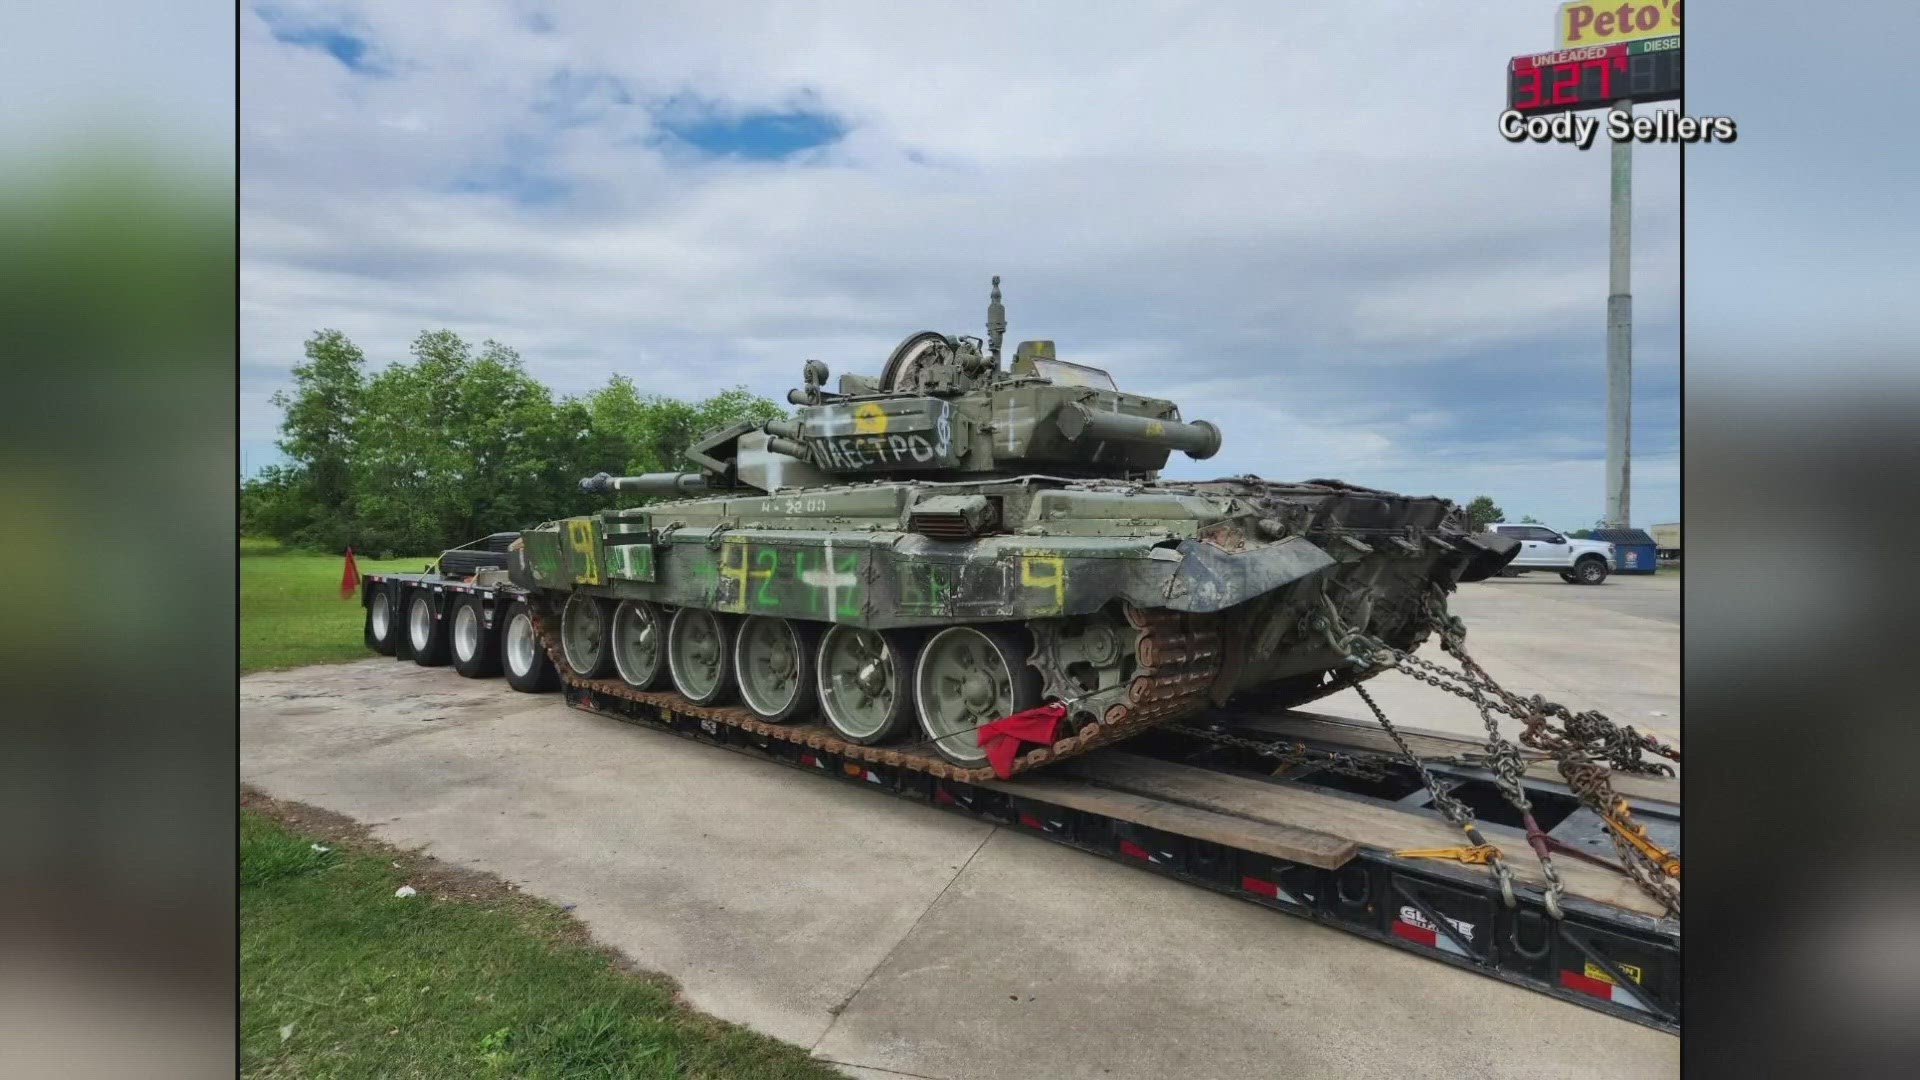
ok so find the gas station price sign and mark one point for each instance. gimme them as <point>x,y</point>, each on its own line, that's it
<point>1595,77</point>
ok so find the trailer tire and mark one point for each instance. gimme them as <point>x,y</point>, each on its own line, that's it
<point>382,631</point>
<point>427,635</point>
<point>476,648</point>
<point>528,667</point>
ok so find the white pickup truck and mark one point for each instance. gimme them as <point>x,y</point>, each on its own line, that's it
<point>1580,562</point>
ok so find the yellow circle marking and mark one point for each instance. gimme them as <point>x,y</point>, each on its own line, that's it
<point>869,418</point>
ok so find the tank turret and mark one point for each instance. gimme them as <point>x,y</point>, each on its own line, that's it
<point>946,406</point>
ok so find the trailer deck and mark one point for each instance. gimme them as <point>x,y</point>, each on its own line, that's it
<point>1304,845</point>
<point>1305,837</point>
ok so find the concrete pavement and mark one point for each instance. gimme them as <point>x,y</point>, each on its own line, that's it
<point>1614,647</point>
<point>898,939</point>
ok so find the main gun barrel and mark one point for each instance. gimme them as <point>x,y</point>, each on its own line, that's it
<point>1199,439</point>
<point>653,483</point>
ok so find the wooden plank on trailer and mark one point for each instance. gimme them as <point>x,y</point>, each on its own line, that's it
<point>1281,841</point>
<point>1364,823</point>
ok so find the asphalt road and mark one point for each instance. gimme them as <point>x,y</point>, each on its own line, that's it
<point>896,940</point>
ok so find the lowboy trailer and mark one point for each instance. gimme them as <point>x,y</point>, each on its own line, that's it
<point>1311,815</point>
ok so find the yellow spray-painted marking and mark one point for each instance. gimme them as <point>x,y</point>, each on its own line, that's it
<point>869,418</point>
<point>733,567</point>
<point>580,543</point>
<point>1629,970</point>
<point>1046,572</point>
<point>1156,429</point>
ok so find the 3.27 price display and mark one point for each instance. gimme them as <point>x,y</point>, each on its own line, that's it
<point>1595,77</point>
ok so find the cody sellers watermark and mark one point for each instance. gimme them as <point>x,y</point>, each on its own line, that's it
<point>1581,130</point>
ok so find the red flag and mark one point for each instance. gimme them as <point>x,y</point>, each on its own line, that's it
<point>1003,737</point>
<point>349,578</point>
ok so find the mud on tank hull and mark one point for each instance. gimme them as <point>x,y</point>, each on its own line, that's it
<point>902,616</point>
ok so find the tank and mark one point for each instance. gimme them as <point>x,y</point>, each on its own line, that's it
<point>911,557</point>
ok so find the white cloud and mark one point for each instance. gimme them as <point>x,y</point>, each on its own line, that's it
<point>1264,214</point>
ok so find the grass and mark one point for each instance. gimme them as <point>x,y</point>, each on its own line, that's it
<point>341,978</point>
<point>290,607</point>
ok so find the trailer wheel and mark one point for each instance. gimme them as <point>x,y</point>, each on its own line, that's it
<point>426,634</point>
<point>529,669</point>
<point>382,628</point>
<point>476,649</point>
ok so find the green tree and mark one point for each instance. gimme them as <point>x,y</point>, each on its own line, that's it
<point>455,443</point>
<point>1529,520</point>
<point>1482,512</point>
<point>637,433</point>
<point>271,503</point>
<point>309,502</point>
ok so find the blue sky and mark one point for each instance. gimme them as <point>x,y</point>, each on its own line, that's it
<point>1300,224</point>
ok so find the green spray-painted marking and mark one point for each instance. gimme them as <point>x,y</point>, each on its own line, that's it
<point>633,561</point>
<point>924,587</point>
<point>765,562</point>
<point>844,568</point>
<point>543,554</point>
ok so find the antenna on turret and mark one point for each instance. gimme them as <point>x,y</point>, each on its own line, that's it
<point>996,323</point>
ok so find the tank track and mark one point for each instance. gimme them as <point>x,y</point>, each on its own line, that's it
<point>1179,657</point>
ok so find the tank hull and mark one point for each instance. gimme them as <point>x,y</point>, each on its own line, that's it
<point>1134,602</point>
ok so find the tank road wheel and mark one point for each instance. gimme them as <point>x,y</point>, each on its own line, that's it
<point>639,643</point>
<point>699,657</point>
<point>381,624</point>
<point>476,650</point>
<point>969,676</point>
<point>426,634</point>
<point>529,669</point>
<point>865,680</point>
<point>583,636</point>
<point>773,662</point>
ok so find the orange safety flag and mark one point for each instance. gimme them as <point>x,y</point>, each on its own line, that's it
<point>349,578</point>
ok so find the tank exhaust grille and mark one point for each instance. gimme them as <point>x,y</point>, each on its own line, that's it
<point>954,517</point>
<point>941,526</point>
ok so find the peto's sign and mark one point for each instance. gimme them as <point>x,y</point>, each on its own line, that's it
<point>1603,22</point>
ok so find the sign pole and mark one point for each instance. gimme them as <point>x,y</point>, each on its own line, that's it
<point>1620,331</point>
